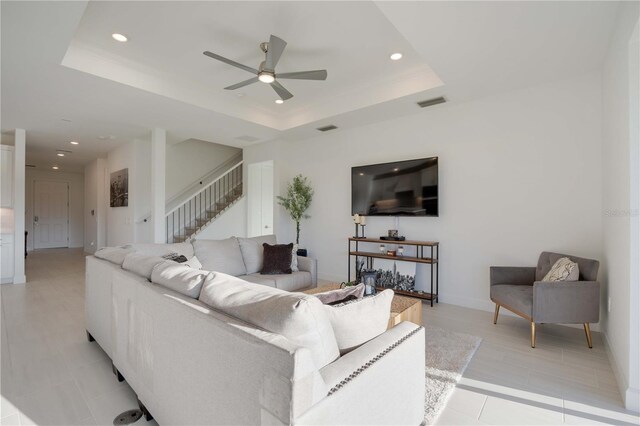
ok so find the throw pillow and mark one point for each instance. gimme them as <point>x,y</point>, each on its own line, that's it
<point>179,258</point>
<point>357,322</point>
<point>277,259</point>
<point>294,258</point>
<point>220,256</point>
<point>153,249</point>
<point>563,270</point>
<point>341,295</point>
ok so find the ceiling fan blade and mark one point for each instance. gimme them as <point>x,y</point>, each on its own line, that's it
<point>242,84</point>
<point>305,75</point>
<point>230,62</point>
<point>274,51</point>
<point>281,91</point>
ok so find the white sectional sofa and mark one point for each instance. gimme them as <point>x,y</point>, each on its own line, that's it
<point>242,353</point>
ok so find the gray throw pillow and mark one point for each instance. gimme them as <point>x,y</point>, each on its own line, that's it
<point>341,295</point>
<point>220,256</point>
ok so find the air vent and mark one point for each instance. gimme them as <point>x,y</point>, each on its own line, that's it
<point>30,165</point>
<point>431,102</point>
<point>64,150</point>
<point>247,138</point>
<point>327,128</point>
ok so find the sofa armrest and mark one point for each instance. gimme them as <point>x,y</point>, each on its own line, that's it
<point>566,302</point>
<point>514,275</point>
<point>309,264</point>
<point>393,365</point>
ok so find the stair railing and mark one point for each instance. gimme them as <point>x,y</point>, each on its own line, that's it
<point>185,220</point>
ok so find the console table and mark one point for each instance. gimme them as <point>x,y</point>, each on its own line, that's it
<point>433,254</point>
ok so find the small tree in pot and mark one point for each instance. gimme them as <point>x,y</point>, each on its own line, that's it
<point>297,201</point>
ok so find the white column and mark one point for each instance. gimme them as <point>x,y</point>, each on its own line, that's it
<point>158,200</point>
<point>19,164</point>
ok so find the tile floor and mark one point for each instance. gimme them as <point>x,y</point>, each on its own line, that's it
<point>52,375</point>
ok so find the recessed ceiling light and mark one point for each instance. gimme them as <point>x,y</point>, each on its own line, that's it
<point>240,95</point>
<point>119,37</point>
<point>395,56</point>
<point>395,170</point>
<point>55,167</point>
<point>279,101</point>
<point>361,174</point>
<point>74,143</point>
<point>60,154</point>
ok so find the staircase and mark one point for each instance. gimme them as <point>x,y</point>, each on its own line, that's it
<point>183,222</point>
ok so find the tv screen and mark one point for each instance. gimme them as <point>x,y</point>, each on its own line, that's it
<point>403,188</point>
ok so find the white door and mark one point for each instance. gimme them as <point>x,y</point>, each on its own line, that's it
<point>260,199</point>
<point>50,215</point>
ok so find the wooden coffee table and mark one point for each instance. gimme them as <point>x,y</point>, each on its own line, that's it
<point>402,308</point>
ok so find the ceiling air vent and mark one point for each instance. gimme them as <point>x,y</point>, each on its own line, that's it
<point>327,128</point>
<point>431,102</point>
<point>29,165</point>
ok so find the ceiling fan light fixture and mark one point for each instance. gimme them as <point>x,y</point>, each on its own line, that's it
<point>266,77</point>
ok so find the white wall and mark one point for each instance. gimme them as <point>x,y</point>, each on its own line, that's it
<point>520,173</point>
<point>192,159</point>
<point>232,223</point>
<point>94,206</point>
<point>76,202</point>
<point>620,215</point>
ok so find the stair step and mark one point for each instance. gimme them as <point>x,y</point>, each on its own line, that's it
<point>180,239</point>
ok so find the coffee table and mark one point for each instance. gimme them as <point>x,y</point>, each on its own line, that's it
<point>402,308</point>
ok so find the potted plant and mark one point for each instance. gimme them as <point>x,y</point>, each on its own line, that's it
<point>297,202</point>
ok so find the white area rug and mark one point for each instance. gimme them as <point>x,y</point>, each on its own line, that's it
<point>447,355</point>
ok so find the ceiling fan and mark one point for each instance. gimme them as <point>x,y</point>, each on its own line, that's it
<point>266,72</point>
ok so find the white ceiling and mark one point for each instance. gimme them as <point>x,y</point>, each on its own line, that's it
<point>59,62</point>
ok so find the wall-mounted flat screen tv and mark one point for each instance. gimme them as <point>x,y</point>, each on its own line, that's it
<point>402,188</point>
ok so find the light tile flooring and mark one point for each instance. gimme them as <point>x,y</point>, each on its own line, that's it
<point>52,375</point>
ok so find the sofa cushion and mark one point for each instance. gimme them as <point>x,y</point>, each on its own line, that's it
<point>277,259</point>
<point>151,249</point>
<point>299,317</point>
<point>252,251</point>
<point>361,320</point>
<point>288,282</point>
<point>220,256</point>
<point>179,277</point>
<point>260,279</point>
<point>515,297</point>
<point>142,264</point>
<point>114,255</point>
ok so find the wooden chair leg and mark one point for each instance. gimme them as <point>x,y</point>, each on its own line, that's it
<point>587,331</point>
<point>533,334</point>
<point>495,316</point>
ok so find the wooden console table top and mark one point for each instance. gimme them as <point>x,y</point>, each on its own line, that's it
<point>405,242</point>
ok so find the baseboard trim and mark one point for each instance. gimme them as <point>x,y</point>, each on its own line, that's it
<point>630,396</point>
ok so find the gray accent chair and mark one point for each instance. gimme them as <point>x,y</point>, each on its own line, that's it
<point>520,290</point>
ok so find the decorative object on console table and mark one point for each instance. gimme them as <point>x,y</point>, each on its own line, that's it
<point>370,280</point>
<point>302,252</point>
<point>391,253</point>
<point>363,223</point>
<point>406,288</point>
<point>392,233</point>
<point>297,201</point>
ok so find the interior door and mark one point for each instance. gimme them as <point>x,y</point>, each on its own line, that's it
<point>50,215</point>
<point>260,199</point>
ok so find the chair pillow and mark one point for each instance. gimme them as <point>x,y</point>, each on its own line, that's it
<point>113,254</point>
<point>179,277</point>
<point>333,297</point>
<point>563,270</point>
<point>141,264</point>
<point>277,259</point>
<point>299,317</point>
<point>359,321</point>
<point>252,251</point>
<point>221,256</point>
